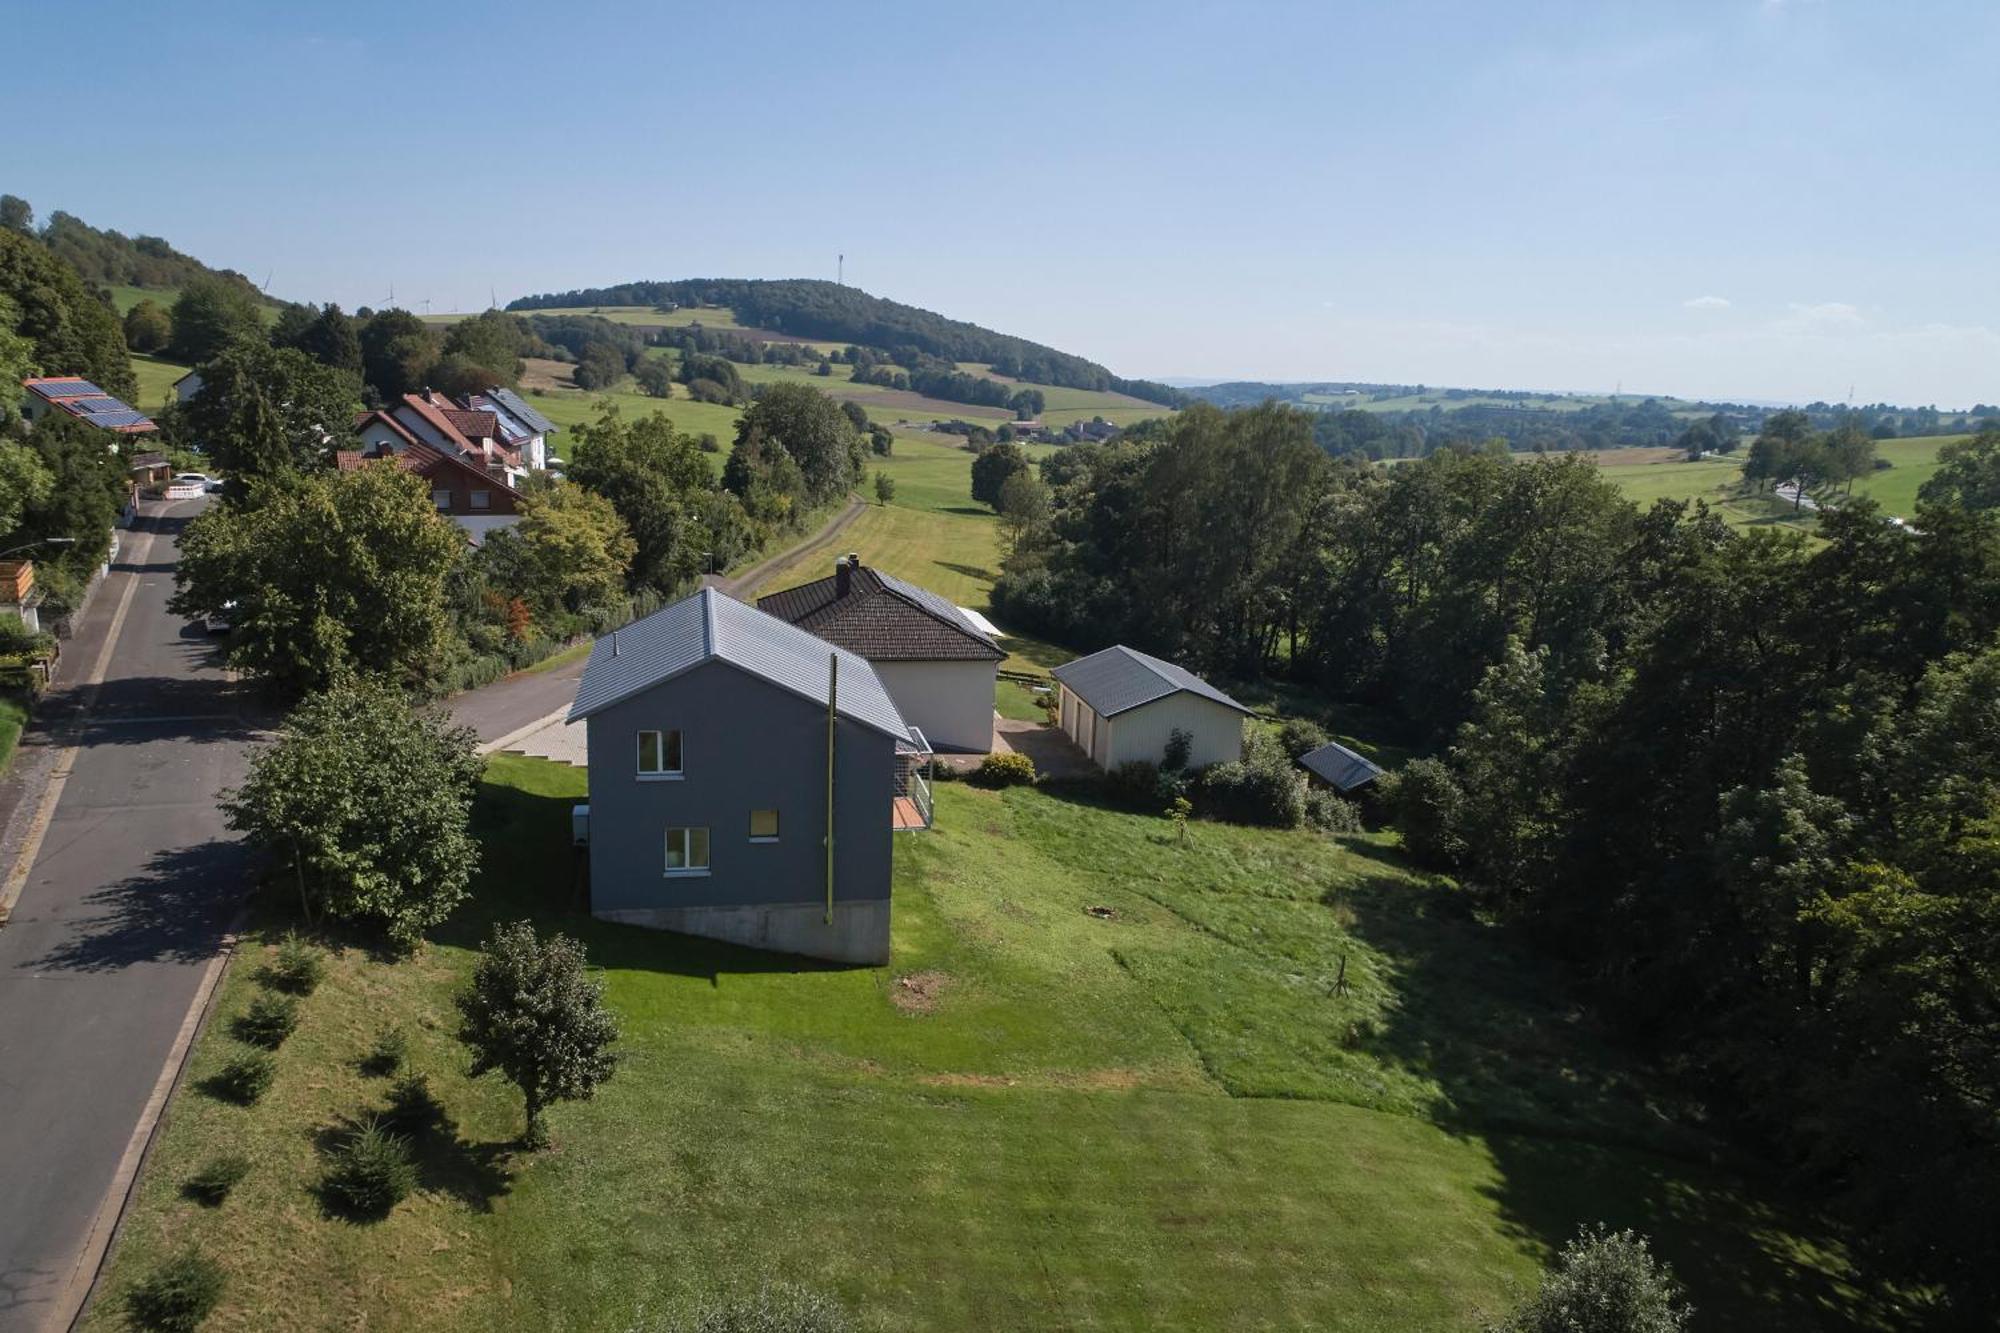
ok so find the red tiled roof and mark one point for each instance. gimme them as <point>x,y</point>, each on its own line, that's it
<point>434,414</point>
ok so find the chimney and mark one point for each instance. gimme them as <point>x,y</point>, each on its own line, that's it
<point>843,578</point>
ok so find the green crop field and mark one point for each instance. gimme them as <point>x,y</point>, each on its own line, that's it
<point>1160,1115</point>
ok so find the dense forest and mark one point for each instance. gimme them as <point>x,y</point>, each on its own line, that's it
<point>1742,783</point>
<point>812,308</point>
<point>104,258</point>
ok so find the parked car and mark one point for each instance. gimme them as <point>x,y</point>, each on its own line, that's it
<point>201,479</point>
<point>220,622</point>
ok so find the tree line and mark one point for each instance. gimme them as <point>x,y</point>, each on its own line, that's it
<point>1743,784</point>
<point>812,308</point>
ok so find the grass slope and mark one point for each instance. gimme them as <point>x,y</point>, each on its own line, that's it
<point>1052,1143</point>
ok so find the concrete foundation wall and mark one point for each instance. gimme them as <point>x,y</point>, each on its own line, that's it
<point>859,932</point>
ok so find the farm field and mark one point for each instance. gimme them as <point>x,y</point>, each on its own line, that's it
<point>1915,462</point>
<point>1554,402</point>
<point>1161,1119</point>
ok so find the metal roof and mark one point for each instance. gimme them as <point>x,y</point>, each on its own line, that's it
<point>1334,763</point>
<point>709,627</point>
<point>1120,679</point>
<point>518,408</point>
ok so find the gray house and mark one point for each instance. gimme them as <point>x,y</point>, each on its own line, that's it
<point>1121,704</point>
<point>716,767</point>
<point>1339,767</point>
<point>937,665</point>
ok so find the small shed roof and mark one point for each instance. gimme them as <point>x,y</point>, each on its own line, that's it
<point>709,627</point>
<point>1340,767</point>
<point>1120,679</point>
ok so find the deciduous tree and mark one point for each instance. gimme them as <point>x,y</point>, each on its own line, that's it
<point>534,1014</point>
<point>368,803</point>
<point>210,314</point>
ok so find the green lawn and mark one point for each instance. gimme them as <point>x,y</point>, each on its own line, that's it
<point>1163,1119</point>
<point>1912,462</point>
<point>14,709</point>
<point>156,381</point>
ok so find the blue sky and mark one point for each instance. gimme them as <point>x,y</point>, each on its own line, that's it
<point>1743,199</point>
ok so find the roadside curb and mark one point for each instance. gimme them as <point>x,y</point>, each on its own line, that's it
<point>522,733</point>
<point>110,1218</point>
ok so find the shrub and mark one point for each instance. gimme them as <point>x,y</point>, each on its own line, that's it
<point>297,968</point>
<point>1430,811</point>
<point>211,1184</point>
<point>1602,1282</point>
<point>413,1109</point>
<point>1296,735</point>
<point>370,1173</point>
<point>1180,744</point>
<point>1134,783</point>
<point>386,1056</point>
<point>1005,769</point>
<point>268,1021</point>
<point>1329,814</point>
<point>176,1296</point>
<point>777,1307</point>
<point>244,1079</point>
<point>1250,792</point>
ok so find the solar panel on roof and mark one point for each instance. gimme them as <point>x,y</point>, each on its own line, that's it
<point>116,417</point>
<point>73,389</point>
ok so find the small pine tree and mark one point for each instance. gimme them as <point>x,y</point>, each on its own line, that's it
<point>176,1296</point>
<point>1603,1282</point>
<point>370,1173</point>
<point>533,1013</point>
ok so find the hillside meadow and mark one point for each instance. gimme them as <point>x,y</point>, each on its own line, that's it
<point>1109,1081</point>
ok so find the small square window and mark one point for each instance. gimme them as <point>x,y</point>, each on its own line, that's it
<point>482,499</point>
<point>687,851</point>
<point>441,497</point>
<point>659,754</point>
<point>763,826</point>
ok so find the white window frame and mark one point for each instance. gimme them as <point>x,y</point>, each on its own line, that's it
<point>687,832</point>
<point>662,773</point>
<point>776,823</point>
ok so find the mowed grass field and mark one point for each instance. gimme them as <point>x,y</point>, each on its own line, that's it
<point>1911,463</point>
<point>1162,1117</point>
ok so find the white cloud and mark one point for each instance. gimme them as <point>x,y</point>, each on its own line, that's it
<point>1707,303</point>
<point>1823,317</point>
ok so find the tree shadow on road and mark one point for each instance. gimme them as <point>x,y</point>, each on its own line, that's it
<point>171,912</point>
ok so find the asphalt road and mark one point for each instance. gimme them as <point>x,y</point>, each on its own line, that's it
<point>127,900</point>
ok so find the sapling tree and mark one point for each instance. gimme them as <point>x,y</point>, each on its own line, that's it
<point>533,1013</point>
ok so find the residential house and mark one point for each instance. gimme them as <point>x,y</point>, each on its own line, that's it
<point>477,500</point>
<point>491,430</point>
<point>1121,704</point>
<point>18,594</point>
<point>187,386</point>
<point>746,779</point>
<point>83,400</point>
<point>522,428</point>
<point>938,665</point>
<point>1339,767</point>
<point>430,418</point>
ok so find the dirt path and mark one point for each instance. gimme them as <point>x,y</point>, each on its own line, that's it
<point>740,586</point>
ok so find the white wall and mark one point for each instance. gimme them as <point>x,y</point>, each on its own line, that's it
<point>478,525</point>
<point>1143,732</point>
<point>951,701</point>
<point>187,386</point>
<point>377,435</point>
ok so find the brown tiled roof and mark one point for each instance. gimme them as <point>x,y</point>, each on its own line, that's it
<point>473,425</point>
<point>361,421</point>
<point>434,413</point>
<point>883,619</point>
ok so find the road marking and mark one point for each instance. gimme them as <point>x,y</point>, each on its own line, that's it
<point>93,684</point>
<point>158,721</point>
<point>111,1209</point>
